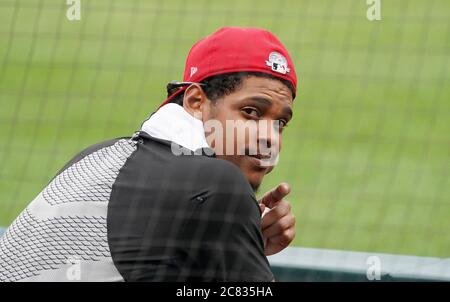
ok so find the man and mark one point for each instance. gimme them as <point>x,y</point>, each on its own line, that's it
<point>171,203</point>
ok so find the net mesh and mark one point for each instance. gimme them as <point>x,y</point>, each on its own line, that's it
<point>366,155</point>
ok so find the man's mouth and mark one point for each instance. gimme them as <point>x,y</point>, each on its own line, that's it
<point>261,156</point>
<point>255,154</point>
<point>261,160</point>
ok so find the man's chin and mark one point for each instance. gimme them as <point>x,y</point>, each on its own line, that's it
<point>269,169</point>
<point>254,179</point>
<point>255,187</point>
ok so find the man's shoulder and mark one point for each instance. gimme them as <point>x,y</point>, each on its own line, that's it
<point>214,165</point>
<point>155,172</point>
<point>89,150</point>
<point>156,157</point>
<point>228,172</point>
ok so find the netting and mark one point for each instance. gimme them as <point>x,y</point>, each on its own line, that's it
<point>366,155</point>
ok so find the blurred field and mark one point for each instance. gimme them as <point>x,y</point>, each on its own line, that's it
<point>367,154</point>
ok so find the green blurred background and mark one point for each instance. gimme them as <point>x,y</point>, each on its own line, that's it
<point>367,154</point>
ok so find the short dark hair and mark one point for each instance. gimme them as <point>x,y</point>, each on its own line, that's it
<point>218,86</point>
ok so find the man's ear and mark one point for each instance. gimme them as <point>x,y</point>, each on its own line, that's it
<point>195,101</point>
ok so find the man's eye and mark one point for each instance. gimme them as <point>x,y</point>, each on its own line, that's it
<point>282,124</point>
<point>251,111</point>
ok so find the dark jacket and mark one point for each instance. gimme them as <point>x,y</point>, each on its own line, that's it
<point>130,210</point>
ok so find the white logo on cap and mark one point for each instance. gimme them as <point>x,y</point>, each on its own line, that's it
<point>193,71</point>
<point>278,63</point>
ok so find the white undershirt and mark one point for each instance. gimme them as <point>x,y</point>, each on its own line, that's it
<point>171,122</point>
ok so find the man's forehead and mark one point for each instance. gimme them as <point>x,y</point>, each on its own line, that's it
<point>272,89</point>
<point>266,85</point>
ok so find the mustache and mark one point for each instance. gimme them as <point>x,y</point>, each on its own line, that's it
<point>261,151</point>
<point>255,153</point>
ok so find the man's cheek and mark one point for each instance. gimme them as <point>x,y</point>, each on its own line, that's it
<point>214,136</point>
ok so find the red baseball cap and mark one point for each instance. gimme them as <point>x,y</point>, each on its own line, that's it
<point>236,49</point>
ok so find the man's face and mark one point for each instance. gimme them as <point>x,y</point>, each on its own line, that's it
<point>259,109</point>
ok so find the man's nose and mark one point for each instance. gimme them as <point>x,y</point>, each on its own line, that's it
<point>268,136</point>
